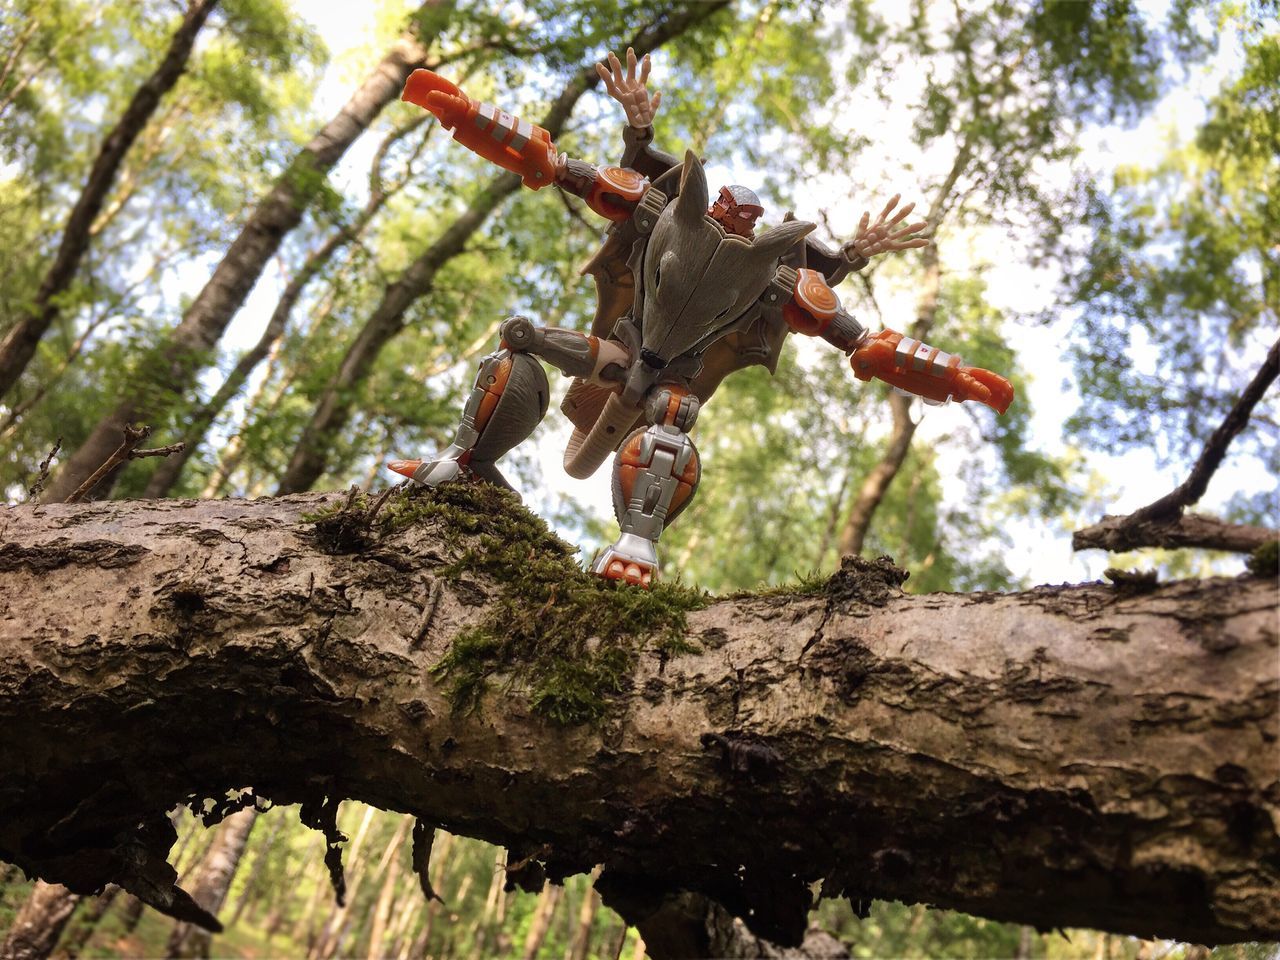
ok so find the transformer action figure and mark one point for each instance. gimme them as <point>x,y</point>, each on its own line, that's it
<point>688,293</point>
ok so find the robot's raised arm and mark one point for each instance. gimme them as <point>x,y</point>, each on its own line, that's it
<point>524,148</point>
<point>513,144</point>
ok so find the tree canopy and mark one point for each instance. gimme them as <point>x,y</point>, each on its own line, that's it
<point>219,219</point>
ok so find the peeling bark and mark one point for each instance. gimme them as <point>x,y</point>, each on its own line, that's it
<point>1067,756</point>
<point>1121,533</point>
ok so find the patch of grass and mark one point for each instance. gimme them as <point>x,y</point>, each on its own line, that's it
<point>567,637</point>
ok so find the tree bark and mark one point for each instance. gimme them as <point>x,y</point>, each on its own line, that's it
<point>1089,755</point>
<point>185,351</point>
<point>82,930</point>
<point>39,922</point>
<point>334,407</point>
<point>19,344</point>
<point>213,882</point>
<point>1121,533</point>
<point>382,906</point>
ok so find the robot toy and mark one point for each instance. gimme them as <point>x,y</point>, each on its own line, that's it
<point>688,293</point>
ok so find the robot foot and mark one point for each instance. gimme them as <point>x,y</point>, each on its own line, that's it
<point>632,560</point>
<point>430,473</point>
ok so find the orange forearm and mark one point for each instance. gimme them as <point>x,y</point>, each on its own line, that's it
<point>513,144</point>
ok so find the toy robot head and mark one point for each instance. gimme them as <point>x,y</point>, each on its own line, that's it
<point>697,279</point>
<point>737,209</point>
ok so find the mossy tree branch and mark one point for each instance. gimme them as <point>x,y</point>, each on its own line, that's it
<point>1092,755</point>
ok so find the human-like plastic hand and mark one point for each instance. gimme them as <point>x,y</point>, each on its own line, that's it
<point>629,90</point>
<point>885,235</point>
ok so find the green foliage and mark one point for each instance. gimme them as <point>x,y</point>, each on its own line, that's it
<point>1175,290</point>
<point>1183,280</point>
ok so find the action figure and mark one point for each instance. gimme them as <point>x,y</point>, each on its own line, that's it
<point>687,294</point>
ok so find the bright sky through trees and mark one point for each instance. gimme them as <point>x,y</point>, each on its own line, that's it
<point>1039,554</point>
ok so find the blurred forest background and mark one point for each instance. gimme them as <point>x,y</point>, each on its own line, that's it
<point>216,218</point>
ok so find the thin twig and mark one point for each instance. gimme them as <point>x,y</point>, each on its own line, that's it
<point>38,487</point>
<point>158,451</point>
<point>1192,489</point>
<point>1163,523</point>
<point>132,437</point>
<point>373,511</point>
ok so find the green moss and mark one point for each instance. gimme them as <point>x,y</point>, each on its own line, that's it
<point>806,585</point>
<point>1265,561</point>
<point>564,636</point>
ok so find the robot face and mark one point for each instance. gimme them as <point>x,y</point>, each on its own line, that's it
<point>737,209</point>
<point>697,276</point>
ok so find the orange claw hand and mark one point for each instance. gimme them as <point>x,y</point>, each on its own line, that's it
<point>925,371</point>
<point>975,383</point>
<point>511,143</point>
<point>429,90</point>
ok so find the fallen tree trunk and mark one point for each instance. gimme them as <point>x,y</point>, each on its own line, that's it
<point>1068,756</point>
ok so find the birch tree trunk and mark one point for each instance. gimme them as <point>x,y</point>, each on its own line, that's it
<point>213,882</point>
<point>326,942</point>
<point>185,351</point>
<point>334,407</point>
<point>170,468</point>
<point>580,944</point>
<point>382,906</point>
<point>86,924</point>
<point>39,922</point>
<point>1095,755</point>
<point>543,914</point>
<point>19,344</point>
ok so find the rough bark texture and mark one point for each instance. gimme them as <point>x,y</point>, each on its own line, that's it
<point>334,408</point>
<point>1091,755</point>
<point>19,345</point>
<point>213,882</point>
<point>39,922</point>
<point>1121,533</point>
<point>186,350</point>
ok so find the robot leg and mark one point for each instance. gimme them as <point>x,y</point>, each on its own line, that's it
<point>655,475</point>
<point>508,400</point>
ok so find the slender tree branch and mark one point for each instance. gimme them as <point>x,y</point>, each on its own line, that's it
<point>125,452</point>
<point>1121,533</point>
<point>34,492</point>
<point>1162,524</point>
